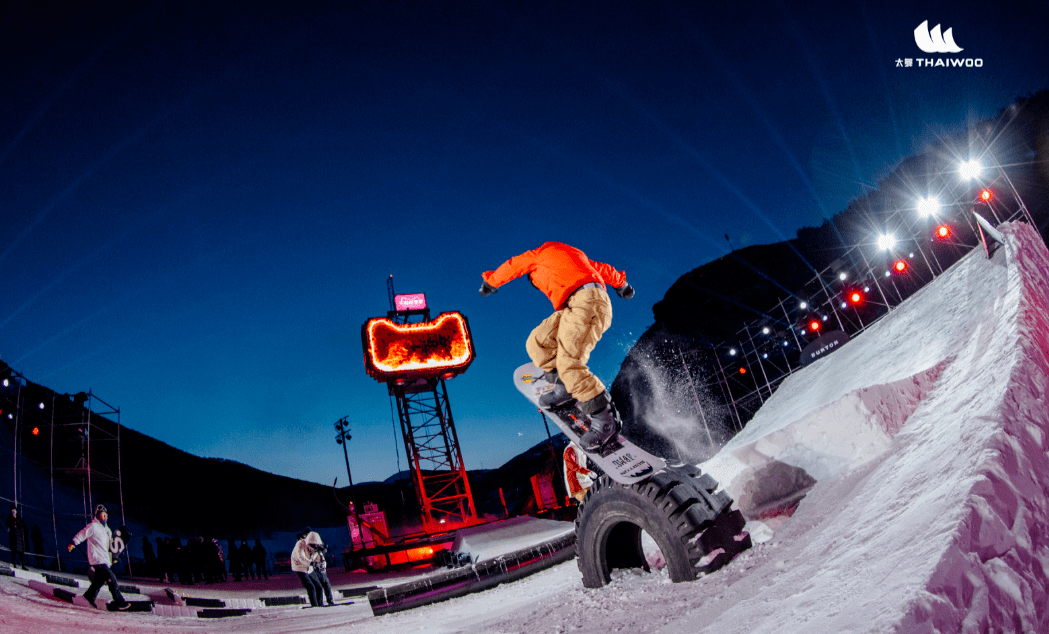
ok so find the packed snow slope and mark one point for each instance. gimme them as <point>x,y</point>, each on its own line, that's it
<point>927,436</point>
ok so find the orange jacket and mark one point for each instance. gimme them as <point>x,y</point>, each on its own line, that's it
<point>557,270</point>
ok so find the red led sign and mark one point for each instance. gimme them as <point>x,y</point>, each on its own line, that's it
<point>441,348</point>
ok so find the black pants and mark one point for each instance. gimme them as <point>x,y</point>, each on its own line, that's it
<point>313,588</point>
<point>322,581</point>
<point>103,576</point>
<point>17,555</point>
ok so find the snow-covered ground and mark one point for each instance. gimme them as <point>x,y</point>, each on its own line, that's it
<point>927,437</point>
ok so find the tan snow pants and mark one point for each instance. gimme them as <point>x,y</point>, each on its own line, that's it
<point>564,341</point>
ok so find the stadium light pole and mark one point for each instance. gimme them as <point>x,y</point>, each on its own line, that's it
<point>343,437</point>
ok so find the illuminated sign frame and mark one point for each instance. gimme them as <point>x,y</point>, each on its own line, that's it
<point>410,301</point>
<point>441,348</point>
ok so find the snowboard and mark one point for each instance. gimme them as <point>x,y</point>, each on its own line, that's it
<point>622,460</point>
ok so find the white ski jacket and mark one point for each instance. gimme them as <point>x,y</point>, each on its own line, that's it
<point>98,538</point>
<point>300,558</point>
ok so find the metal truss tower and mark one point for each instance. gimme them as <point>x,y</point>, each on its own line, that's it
<point>432,447</point>
<point>427,427</point>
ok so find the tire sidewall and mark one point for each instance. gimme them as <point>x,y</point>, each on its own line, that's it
<point>613,504</point>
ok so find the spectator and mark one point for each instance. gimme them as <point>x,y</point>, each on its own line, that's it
<point>37,537</point>
<point>219,561</point>
<point>16,536</point>
<point>319,555</point>
<point>234,560</point>
<point>302,565</point>
<point>151,559</point>
<point>258,554</point>
<point>246,560</point>
<point>99,538</point>
<point>198,559</point>
<point>164,560</point>
<point>183,561</point>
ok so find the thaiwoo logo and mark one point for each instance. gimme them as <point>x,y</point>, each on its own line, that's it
<point>937,41</point>
<point>933,41</point>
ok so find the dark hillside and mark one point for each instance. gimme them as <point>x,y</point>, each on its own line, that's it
<point>684,357</point>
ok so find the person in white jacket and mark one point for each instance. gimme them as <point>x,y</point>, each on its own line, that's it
<point>99,540</point>
<point>302,565</point>
<point>319,551</point>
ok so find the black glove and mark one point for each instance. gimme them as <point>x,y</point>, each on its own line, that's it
<point>487,289</point>
<point>626,291</point>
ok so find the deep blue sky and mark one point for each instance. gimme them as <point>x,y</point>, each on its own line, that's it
<point>201,205</point>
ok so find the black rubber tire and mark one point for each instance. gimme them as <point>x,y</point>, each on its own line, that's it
<point>673,508</point>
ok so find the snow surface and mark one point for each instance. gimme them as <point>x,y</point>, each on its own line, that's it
<point>517,533</point>
<point>927,438</point>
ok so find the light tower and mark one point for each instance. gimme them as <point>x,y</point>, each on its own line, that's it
<point>415,360</point>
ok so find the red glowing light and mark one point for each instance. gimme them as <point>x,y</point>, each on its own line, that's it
<point>439,348</point>
<point>943,231</point>
<point>742,370</point>
<point>36,431</point>
<point>985,195</point>
<point>814,325</point>
<point>855,297</point>
<point>900,266</point>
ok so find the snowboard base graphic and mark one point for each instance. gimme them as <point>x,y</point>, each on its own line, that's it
<point>622,460</point>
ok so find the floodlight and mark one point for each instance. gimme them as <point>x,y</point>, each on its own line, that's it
<point>970,169</point>
<point>886,241</point>
<point>732,352</point>
<point>803,305</point>
<point>842,275</point>
<point>929,206</point>
<point>765,330</point>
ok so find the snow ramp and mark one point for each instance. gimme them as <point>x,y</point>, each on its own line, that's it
<point>921,450</point>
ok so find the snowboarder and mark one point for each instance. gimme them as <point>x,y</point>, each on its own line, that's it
<point>16,536</point>
<point>577,477</point>
<point>99,539</point>
<point>562,343</point>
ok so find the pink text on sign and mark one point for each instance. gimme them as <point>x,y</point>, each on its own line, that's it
<point>412,301</point>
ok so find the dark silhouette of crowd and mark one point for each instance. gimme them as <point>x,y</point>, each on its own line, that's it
<point>203,560</point>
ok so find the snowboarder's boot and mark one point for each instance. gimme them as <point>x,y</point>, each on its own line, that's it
<point>604,423</point>
<point>558,396</point>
